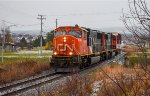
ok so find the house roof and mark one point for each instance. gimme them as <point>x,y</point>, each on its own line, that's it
<point>8,43</point>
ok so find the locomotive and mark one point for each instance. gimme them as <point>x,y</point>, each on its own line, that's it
<point>76,47</point>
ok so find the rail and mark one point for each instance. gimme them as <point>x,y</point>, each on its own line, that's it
<point>33,82</point>
<point>15,88</point>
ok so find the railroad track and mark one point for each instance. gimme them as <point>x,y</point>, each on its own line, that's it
<point>33,82</point>
<point>102,63</point>
<point>22,86</point>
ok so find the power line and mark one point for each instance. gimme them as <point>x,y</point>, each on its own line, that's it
<point>85,14</point>
<point>41,17</point>
<point>19,25</point>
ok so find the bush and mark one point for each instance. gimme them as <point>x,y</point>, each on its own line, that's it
<point>21,69</point>
<point>74,86</point>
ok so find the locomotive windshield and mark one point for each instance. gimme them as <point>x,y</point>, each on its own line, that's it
<point>75,33</point>
<point>58,33</point>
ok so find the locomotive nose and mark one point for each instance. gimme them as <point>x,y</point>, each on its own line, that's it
<point>65,45</point>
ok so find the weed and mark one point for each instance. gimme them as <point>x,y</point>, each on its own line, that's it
<point>74,86</point>
<point>22,68</point>
<point>113,81</point>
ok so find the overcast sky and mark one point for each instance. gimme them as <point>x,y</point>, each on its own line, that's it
<point>88,13</point>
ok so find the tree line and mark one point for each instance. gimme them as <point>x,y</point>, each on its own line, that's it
<point>46,42</point>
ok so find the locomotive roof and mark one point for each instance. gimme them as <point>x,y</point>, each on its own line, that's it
<point>89,29</point>
<point>65,26</point>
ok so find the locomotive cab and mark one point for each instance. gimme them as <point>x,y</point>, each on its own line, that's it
<point>68,41</point>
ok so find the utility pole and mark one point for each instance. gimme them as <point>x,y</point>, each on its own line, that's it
<point>3,41</point>
<point>3,38</point>
<point>56,22</point>
<point>149,36</point>
<point>41,17</point>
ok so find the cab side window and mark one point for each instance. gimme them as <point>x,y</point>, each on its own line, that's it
<point>85,34</point>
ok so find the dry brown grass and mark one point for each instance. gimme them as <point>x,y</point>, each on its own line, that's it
<point>74,86</point>
<point>130,49</point>
<point>122,81</point>
<point>21,69</point>
<point>116,80</point>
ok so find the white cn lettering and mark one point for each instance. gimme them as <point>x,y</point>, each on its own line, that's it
<point>65,46</point>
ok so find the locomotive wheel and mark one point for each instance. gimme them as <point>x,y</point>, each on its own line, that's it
<point>108,55</point>
<point>102,57</point>
<point>85,62</point>
<point>88,61</point>
<point>81,65</point>
<point>105,56</point>
<point>111,55</point>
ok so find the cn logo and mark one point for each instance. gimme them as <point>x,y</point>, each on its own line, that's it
<point>65,46</point>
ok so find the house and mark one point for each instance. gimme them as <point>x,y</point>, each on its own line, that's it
<point>10,47</point>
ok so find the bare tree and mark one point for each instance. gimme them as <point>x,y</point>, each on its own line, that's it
<point>8,37</point>
<point>137,21</point>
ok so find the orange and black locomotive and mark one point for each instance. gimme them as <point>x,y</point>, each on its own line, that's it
<point>76,47</point>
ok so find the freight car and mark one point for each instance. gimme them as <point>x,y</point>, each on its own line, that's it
<point>77,47</point>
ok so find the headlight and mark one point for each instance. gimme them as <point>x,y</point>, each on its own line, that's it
<point>55,53</point>
<point>70,53</point>
<point>64,40</point>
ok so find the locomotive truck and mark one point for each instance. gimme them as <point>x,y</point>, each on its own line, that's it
<point>76,47</point>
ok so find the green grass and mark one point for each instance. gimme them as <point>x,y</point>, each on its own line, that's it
<point>36,48</point>
<point>138,54</point>
<point>12,57</point>
<point>148,49</point>
<point>136,59</point>
<point>17,59</point>
<point>25,55</point>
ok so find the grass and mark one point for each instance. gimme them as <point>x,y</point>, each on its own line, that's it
<point>122,81</point>
<point>11,57</point>
<point>37,48</point>
<point>22,68</point>
<point>19,66</point>
<point>23,55</point>
<point>74,86</point>
<point>135,56</point>
<point>114,80</point>
<point>17,59</point>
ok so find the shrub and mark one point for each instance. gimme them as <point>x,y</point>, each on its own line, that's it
<point>74,86</point>
<point>21,69</point>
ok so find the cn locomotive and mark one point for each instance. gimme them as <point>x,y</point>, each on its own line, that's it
<point>77,47</point>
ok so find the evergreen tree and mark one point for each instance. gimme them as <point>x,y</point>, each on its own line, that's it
<point>23,43</point>
<point>50,36</point>
<point>38,41</point>
<point>49,40</point>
